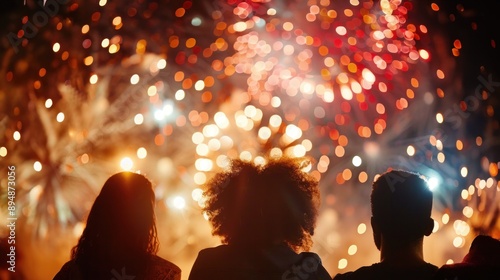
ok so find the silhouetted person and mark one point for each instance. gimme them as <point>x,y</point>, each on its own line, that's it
<point>265,215</point>
<point>401,205</point>
<point>120,239</point>
<point>482,262</point>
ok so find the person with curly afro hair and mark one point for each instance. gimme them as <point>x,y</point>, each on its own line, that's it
<point>265,216</point>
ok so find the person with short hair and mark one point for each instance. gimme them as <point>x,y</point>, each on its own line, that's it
<point>401,204</point>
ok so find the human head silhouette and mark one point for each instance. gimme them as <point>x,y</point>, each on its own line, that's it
<point>121,223</point>
<point>260,205</point>
<point>401,204</point>
<point>484,250</point>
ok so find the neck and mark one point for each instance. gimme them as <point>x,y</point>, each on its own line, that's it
<point>408,254</point>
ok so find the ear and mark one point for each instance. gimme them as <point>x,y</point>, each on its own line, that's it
<point>375,226</point>
<point>429,226</point>
<point>377,237</point>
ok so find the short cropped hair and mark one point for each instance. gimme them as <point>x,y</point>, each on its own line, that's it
<point>257,205</point>
<point>401,204</point>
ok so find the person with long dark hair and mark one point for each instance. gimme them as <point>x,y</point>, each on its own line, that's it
<point>265,216</point>
<point>120,239</point>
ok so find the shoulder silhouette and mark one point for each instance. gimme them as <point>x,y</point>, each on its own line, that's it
<point>481,262</point>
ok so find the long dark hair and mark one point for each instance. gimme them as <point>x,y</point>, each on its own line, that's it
<point>121,232</point>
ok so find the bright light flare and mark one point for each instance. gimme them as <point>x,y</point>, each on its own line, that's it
<point>357,161</point>
<point>126,163</point>
<point>433,183</point>
<point>177,202</point>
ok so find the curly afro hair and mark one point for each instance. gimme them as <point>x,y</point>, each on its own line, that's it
<point>260,205</point>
